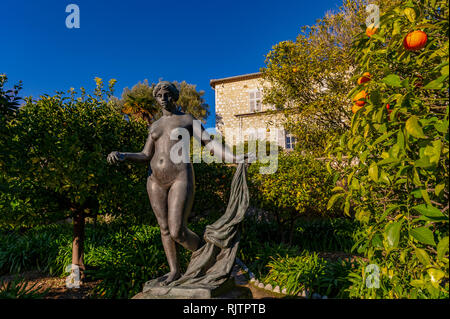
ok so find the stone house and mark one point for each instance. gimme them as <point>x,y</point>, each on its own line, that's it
<point>241,116</point>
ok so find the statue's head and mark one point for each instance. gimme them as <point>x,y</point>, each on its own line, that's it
<point>166,94</point>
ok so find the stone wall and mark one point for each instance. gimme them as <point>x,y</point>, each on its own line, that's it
<point>233,115</point>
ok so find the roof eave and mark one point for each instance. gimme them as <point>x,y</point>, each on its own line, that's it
<point>213,82</point>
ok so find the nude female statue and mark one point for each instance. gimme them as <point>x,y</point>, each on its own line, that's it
<point>170,186</point>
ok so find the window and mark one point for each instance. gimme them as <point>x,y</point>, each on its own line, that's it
<point>255,101</point>
<point>290,141</point>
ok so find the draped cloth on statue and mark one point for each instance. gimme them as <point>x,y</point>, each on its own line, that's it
<point>211,265</point>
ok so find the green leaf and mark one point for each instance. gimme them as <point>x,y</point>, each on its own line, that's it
<point>436,84</point>
<point>425,196</point>
<point>333,199</point>
<point>422,256</point>
<point>442,248</point>
<point>438,189</point>
<point>417,283</point>
<point>347,206</point>
<point>436,276</point>
<point>433,151</point>
<point>338,188</point>
<point>416,178</point>
<point>428,210</point>
<point>375,97</point>
<point>373,172</point>
<point>396,28</point>
<point>410,14</point>
<point>362,216</point>
<point>423,235</point>
<point>417,193</point>
<point>392,234</point>
<point>393,80</point>
<point>413,127</point>
<point>423,162</point>
<point>400,140</point>
<point>383,137</point>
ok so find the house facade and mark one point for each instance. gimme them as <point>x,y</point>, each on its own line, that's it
<point>241,116</point>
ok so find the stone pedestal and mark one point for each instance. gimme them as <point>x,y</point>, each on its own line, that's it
<point>153,291</point>
<point>233,288</point>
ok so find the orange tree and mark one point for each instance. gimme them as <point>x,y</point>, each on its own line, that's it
<point>308,79</point>
<point>399,138</point>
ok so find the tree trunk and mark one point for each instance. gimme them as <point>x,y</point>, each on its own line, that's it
<point>78,241</point>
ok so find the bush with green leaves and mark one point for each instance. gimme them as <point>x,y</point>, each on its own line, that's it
<point>330,234</point>
<point>309,272</point>
<point>57,163</point>
<point>301,186</point>
<point>399,188</point>
<point>212,187</point>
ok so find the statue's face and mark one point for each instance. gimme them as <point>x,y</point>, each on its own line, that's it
<point>165,99</point>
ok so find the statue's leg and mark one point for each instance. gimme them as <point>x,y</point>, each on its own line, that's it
<point>158,200</point>
<point>180,200</point>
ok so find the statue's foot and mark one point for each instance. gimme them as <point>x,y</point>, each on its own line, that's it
<point>168,278</point>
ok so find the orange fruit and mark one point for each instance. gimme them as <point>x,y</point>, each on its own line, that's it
<point>365,78</point>
<point>388,107</point>
<point>359,98</point>
<point>356,108</point>
<point>371,29</point>
<point>294,70</point>
<point>415,40</point>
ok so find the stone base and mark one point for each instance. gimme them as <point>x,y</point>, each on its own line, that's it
<point>184,292</point>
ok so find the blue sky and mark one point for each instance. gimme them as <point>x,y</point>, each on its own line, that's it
<point>131,40</point>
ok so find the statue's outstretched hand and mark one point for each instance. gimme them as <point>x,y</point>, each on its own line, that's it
<point>115,157</point>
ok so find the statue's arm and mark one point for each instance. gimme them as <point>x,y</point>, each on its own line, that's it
<point>145,155</point>
<point>218,149</point>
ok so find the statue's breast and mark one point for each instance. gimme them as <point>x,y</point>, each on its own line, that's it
<point>156,130</point>
<point>165,126</point>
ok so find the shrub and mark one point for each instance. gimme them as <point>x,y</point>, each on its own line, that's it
<point>212,187</point>
<point>300,187</point>
<point>333,234</point>
<point>308,272</point>
<point>257,255</point>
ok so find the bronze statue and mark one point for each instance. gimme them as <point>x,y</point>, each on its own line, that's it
<point>170,186</point>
